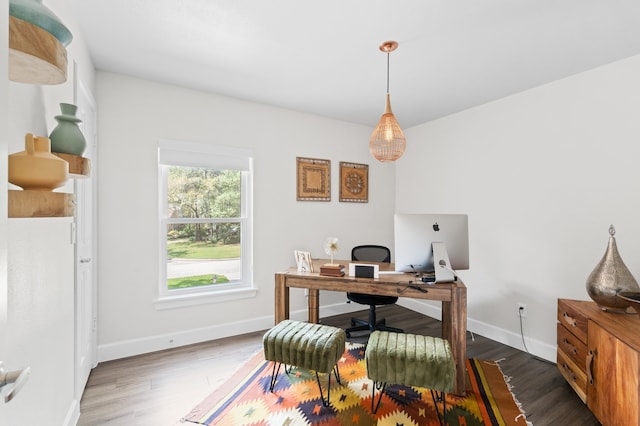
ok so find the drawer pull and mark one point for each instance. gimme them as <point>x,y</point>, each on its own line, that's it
<point>590,357</point>
<point>573,349</point>
<point>569,371</point>
<point>570,320</point>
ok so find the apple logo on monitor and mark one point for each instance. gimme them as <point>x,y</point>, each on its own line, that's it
<point>436,227</point>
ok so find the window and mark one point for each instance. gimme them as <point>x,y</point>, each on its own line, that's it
<point>205,223</point>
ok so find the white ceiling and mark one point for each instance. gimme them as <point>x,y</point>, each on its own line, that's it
<point>322,57</point>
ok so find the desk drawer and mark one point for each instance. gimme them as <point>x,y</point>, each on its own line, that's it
<point>574,321</point>
<point>572,347</point>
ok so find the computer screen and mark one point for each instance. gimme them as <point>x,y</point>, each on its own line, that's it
<point>414,237</point>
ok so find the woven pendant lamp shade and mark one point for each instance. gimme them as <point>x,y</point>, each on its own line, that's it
<point>387,141</point>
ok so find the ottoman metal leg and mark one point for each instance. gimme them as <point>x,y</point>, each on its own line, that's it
<point>274,375</point>
<point>380,386</point>
<point>325,402</point>
<point>336,372</point>
<point>440,397</point>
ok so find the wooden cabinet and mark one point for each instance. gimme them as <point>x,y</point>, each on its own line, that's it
<point>599,356</point>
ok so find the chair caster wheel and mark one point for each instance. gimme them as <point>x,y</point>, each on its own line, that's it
<point>348,334</point>
<point>353,323</point>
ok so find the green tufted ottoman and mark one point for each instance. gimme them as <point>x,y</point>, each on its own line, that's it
<point>410,360</point>
<point>314,347</point>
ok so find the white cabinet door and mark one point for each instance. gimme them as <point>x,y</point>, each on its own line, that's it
<point>40,320</point>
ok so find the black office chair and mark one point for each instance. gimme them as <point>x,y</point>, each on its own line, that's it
<point>370,253</point>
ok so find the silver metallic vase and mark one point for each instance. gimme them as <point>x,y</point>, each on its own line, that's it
<point>610,277</point>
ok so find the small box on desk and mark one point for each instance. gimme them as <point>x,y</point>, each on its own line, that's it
<point>362,270</point>
<point>332,270</point>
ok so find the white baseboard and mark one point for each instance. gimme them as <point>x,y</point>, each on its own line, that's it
<point>73,414</point>
<point>338,309</point>
<point>160,342</point>
<point>535,347</point>
<point>506,337</point>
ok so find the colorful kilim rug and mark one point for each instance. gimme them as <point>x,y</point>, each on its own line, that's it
<point>246,400</point>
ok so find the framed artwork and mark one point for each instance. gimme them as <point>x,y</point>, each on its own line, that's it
<point>313,179</point>
<point>354,182</point>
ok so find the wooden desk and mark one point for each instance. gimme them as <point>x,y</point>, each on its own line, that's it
<point>452,295</point>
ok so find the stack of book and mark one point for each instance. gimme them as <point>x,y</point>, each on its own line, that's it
<point>332,270</point>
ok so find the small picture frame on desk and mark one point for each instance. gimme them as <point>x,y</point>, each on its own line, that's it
<point>303,261</point>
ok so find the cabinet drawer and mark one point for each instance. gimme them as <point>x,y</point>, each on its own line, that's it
<point>572,347</point>
<point>572,319</point>
<point>576,377</point>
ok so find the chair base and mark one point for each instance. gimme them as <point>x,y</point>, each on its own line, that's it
<point>370,325</point>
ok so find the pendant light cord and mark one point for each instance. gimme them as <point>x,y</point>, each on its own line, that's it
<point>387,73</point>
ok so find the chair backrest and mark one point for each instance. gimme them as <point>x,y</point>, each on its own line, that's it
<point>371,253</point>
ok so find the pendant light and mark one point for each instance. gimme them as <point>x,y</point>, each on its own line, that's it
<point>37,44</point>
<point>387,141</point>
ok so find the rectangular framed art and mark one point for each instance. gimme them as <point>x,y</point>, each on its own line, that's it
<point>354,182</point>
<point>313,179</point>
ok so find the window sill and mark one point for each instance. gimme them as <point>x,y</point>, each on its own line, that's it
<point>194,299</point>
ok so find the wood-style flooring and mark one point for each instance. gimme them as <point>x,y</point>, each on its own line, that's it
<point>159,388</point>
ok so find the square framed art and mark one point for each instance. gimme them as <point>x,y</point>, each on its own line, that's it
<point>354,182</point>
<point>313,179</point>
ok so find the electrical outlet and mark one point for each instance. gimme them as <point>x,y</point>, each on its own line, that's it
<point>522,310</point>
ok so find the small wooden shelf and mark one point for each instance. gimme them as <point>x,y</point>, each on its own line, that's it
<point>78,166</point>
<point>41,204</point>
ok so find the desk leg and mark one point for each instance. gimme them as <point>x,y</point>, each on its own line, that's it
<point>281,298</point>
<point>454,329</point>
<point>314,305</point>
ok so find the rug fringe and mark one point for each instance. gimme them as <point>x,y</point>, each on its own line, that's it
<point>195,412</point>
<point>507,380</point>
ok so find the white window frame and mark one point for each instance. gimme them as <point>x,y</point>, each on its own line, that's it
<point>178,153</point>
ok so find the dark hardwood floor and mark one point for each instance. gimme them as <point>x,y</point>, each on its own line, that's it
<point>159,388</point>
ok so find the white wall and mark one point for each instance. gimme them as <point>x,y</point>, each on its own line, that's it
<point>542,174</point>
<point>4,120</point>
<point>39,265</point>
<point>133,115</point>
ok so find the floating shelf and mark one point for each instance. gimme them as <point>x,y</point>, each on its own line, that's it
<point>31,203</point>
<point>41,204</point>
<point>78,166</point>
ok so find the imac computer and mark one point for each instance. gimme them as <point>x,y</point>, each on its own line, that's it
<point>432,243</point>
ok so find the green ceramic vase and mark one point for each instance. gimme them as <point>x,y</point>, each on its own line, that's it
<point>67,138</point>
